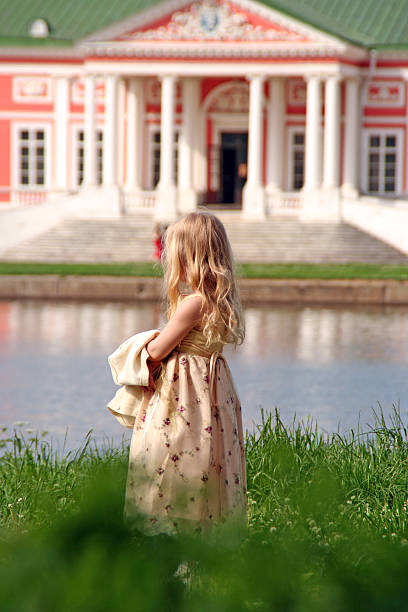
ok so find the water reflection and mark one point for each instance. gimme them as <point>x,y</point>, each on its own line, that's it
<point>330,363</point>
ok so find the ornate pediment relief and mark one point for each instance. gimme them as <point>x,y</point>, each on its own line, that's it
<point>214,20</point>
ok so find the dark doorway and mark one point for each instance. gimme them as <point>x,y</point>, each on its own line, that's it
<point>233,159</point>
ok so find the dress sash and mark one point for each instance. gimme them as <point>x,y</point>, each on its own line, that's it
<point>191,345</point>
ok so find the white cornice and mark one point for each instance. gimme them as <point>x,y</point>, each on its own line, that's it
<point>186,49</point>
<point>47,68</point>
<point>213,67</point>
<point>56,52</point>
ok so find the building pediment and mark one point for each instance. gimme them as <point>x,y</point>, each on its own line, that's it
<point>203,27</point>
<point>214,21</point>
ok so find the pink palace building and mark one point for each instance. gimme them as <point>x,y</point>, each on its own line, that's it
<point>294,107</point>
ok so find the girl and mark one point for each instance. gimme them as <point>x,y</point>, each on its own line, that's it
<point>187,463</point>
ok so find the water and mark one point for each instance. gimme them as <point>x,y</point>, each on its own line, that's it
<point>331,364</point>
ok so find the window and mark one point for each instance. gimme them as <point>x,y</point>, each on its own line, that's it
<point>382,163</point>
<point>155,138</point>
<point>32,149</point>
<point>80,157</point>
<point>297,159</point>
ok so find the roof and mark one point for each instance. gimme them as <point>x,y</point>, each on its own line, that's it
<point>367,23</point>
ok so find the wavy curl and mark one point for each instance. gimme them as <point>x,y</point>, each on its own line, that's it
<point>197,252</point>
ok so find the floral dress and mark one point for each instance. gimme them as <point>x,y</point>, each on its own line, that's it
<point>187,462</point>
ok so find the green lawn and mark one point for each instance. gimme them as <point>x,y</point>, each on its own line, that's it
<point>244,270</point>
<point>327,529</point>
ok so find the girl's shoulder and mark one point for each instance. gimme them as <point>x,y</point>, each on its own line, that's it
<point>194,306</point>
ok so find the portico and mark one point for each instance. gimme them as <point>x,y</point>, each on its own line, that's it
<point>188,124</point>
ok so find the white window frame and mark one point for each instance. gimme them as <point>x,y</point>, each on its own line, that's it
<point>152,129</point>
<point>16,129</point>
<point>364,179</point>
<point>294,129</point>
<point>75,150</point>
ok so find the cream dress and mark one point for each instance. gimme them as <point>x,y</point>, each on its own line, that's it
<point>187,462</point>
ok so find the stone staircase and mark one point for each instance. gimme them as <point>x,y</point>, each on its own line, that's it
<point>277,239</point>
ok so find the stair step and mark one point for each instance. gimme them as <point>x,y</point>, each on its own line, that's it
<point>277,239</point>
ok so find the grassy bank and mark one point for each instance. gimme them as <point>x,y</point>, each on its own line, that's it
<point>327,528</point>
<point>245,270</point>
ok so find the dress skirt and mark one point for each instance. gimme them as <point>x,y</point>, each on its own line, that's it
<point>187,466</point>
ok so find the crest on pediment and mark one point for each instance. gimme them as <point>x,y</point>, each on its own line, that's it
<point>214,20</point>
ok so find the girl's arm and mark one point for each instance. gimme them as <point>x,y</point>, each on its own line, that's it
<point>187,314</point>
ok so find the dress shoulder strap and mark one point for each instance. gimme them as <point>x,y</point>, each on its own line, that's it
<point>189,295</point>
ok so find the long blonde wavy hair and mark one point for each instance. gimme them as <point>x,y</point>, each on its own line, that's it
<point>197,252</point>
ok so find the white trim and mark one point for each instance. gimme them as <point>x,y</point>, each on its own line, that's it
<point>155,117</point>
<point>392,131</point>
<point>383,119</point>
<point>52,69</point>
<point>202,49</point>
<point>15,128</point>
<point>71,53</point>
<point>38,115</point>
<point>292,129</point>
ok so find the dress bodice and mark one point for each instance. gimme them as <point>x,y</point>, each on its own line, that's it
<point>195,342</point>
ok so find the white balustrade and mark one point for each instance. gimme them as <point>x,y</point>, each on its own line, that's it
<point>136,201</point>
<point>289,203</point>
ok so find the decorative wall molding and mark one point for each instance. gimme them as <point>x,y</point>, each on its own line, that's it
<point>384,94</point>
<point>232,96</point>
<point>29,89</point>
<point>297,92</point>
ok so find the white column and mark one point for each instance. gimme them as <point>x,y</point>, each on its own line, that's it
<point>187,197</point>
<point>110,135</point>
<point>166,206</point>
<point>313,148</point>
<point>90,131</point>
<point>61,114</point>
<point>351,144</point>
<point>275,132</point>
<point>331,177</point>
<point>254,192</point>
<point>120,161</point>
<point>200,152</point>
<point>134,139</point>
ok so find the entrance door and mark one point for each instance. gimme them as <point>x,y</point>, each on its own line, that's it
<point>234,147</point>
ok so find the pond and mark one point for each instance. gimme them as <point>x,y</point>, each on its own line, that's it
<point>333,365</point>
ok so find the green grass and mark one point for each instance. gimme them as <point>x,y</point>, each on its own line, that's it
<point>327,528</point>
<point>245,270</point>
<point>83,269</point>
